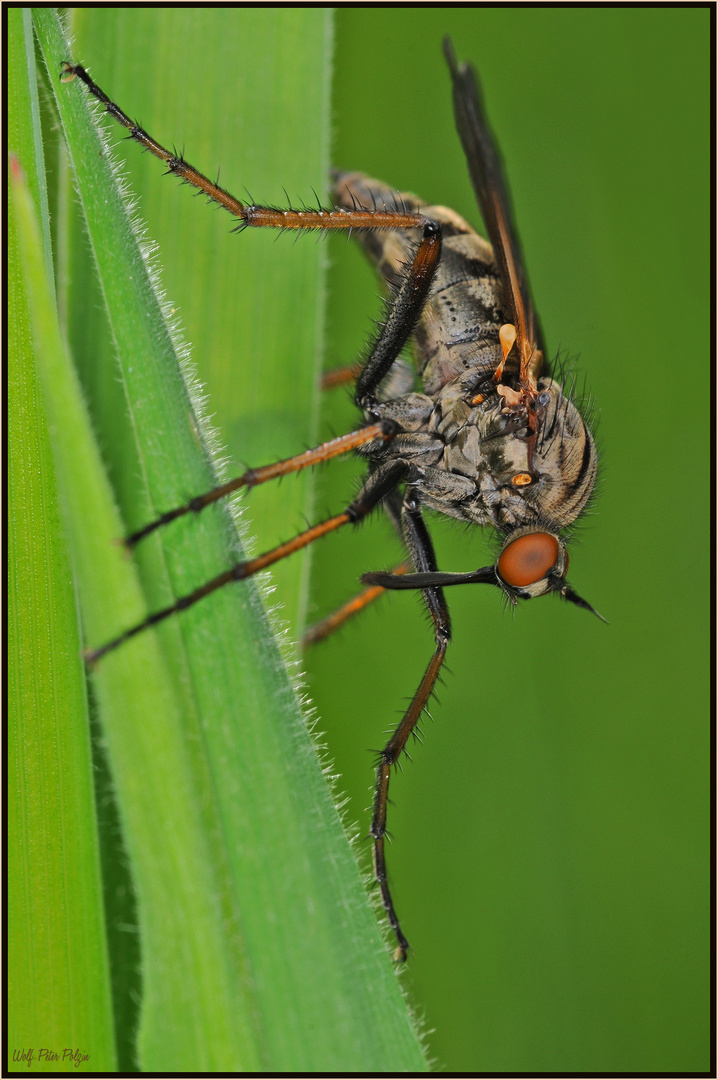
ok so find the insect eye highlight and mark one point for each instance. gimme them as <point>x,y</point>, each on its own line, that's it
<point>528,559</point>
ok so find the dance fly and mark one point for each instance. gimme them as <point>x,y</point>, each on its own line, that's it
<point>479,430</point>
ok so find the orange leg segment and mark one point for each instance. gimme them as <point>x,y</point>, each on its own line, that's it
<point>328,625</point>
<point>249,215</point>
<point>253,477</point>
<point>376,487</point>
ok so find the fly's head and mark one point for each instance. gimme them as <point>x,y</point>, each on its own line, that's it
<point>534,562</point>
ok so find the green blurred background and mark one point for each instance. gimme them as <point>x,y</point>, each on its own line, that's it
<point>551,854</point>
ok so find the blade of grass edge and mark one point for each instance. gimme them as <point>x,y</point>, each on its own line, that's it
<point>323,958</point>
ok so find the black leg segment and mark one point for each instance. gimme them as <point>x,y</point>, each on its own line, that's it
<point>422,552</point>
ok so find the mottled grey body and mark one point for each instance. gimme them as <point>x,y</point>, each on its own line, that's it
<point>468,435</point>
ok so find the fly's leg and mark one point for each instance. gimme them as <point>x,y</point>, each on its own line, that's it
<point>403,312</point>
<point>384,431</point>
<point>339,376</point>
<point>377,486</point>
<point>248,214</point>
<point>322,629</point>
<point>421,549</point>
<point>393,506</point>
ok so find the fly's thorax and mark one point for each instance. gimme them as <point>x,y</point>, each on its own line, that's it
<point>530,455</point>
<point>539,454</point>
<point>477,446</point>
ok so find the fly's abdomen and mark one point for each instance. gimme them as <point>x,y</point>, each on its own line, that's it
<point>458,330</point>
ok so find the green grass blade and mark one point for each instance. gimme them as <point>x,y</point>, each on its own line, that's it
<point>259,947</point>
<point>175,888</point>
<point>58,987</point>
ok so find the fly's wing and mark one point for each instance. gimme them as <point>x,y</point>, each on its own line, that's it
<point>487,177</point>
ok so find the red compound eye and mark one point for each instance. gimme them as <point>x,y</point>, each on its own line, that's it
<point>528,559</point>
